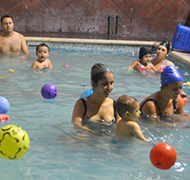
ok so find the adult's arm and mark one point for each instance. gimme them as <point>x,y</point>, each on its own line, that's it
<point>24,46</point>
<point>78,115</point>
<point>149,110</point>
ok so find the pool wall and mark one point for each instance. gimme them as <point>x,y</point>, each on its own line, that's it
<point>126,19</point>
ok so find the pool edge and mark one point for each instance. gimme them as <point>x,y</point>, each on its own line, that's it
<point>185,57</point>
<point>91,41</point>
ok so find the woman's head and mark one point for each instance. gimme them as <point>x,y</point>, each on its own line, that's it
<point>163,48</point>
<point>97,72</point>
<point>102,79</point>
<point>170,75</point>
<point>172,79</point>
<point>145,55</point>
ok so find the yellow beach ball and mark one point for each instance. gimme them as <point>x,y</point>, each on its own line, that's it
<point>14,142</point>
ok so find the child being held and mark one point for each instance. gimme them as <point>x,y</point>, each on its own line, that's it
<point>144,63</point>
<point>128,108</point>
<point>42,51</point>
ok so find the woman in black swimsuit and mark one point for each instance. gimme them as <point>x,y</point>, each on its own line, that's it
<point>97,107</point>
<point>165,102</point>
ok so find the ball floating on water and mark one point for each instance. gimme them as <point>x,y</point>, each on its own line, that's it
<point>49,91</point>
<point>11,70</point>
<point>14,142</point>
<point>65,66</point>
<point>4,105</point>
<point>87,93</point>
<point>163,156</point>
<point>183,97</point>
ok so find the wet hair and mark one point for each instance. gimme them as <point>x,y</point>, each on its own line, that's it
<point>144,51</point>
<point>97,72</point>
<point>166,44</point>
<point>42,44</point>
<point>125,103</point>
<point>6,16</point>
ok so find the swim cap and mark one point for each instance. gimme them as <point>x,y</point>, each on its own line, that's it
<point>166,44</point>
<point>169,75</point>
<point>144,51</point>
<point>99,68</point>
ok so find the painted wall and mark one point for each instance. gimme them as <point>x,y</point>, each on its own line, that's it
<point>139,19</point>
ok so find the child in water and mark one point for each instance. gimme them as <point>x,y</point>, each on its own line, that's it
<point>42,51</point>
<point>144,63</point>
<point>128,108</point>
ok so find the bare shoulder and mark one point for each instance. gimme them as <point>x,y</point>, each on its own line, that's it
<point>169,63</point>
<point>19,36</point>
<point>148,105</point>
<point>132,124</point>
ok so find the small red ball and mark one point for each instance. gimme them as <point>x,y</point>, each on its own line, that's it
<point>163,156</point>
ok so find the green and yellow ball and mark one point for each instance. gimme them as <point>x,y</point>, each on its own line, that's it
<point>14,142</point>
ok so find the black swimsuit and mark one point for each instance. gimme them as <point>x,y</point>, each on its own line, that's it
<point>85,110</point>
<point>160,114</point>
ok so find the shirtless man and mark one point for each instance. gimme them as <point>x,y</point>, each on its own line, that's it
<point>11,42</point>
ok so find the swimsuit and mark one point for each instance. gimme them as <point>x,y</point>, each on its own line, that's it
<point>155,102</point>
<point>85,110</point>
<point>142,67</point>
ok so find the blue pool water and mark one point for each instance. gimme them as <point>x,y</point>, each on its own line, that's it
<point>57,149</point>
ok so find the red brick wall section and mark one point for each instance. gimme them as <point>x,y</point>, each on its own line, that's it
<point>138,19</point>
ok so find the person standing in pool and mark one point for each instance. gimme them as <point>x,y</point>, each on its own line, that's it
<point>11,42</point>
<point>97,107</point>
<point>144,63</point>
<point>42,51</point>
<point>166,102</point>
<point>162,51</point>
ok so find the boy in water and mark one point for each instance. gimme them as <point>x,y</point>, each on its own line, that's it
<point>42,51</point>
<point>144,63</point>
<point>128,108</point>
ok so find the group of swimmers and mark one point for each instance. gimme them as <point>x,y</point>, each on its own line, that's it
<point>99,107</point>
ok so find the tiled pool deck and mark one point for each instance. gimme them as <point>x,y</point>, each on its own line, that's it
<point>184,56</point>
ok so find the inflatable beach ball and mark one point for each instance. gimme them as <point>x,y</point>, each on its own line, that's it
<point>4,105</point>
<point>163,156</point>
<point>14,142</point>
<point>49,91</point>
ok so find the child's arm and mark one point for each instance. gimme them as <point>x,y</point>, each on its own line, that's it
<point>136,130</point>
<point>50,65</point>
<point>34,65</point>
<point>133,65</point>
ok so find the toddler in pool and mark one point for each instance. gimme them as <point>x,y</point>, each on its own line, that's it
<point>128,108</point>
<point>144,63</point>
<point>42,52</point>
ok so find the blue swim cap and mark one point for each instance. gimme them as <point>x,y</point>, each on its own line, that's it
<point>169,75</point>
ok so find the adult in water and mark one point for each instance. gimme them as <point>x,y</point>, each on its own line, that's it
<point>162,51</point>
<point>166,101</point>
<point>97,107</point>
<point>11,42</point>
